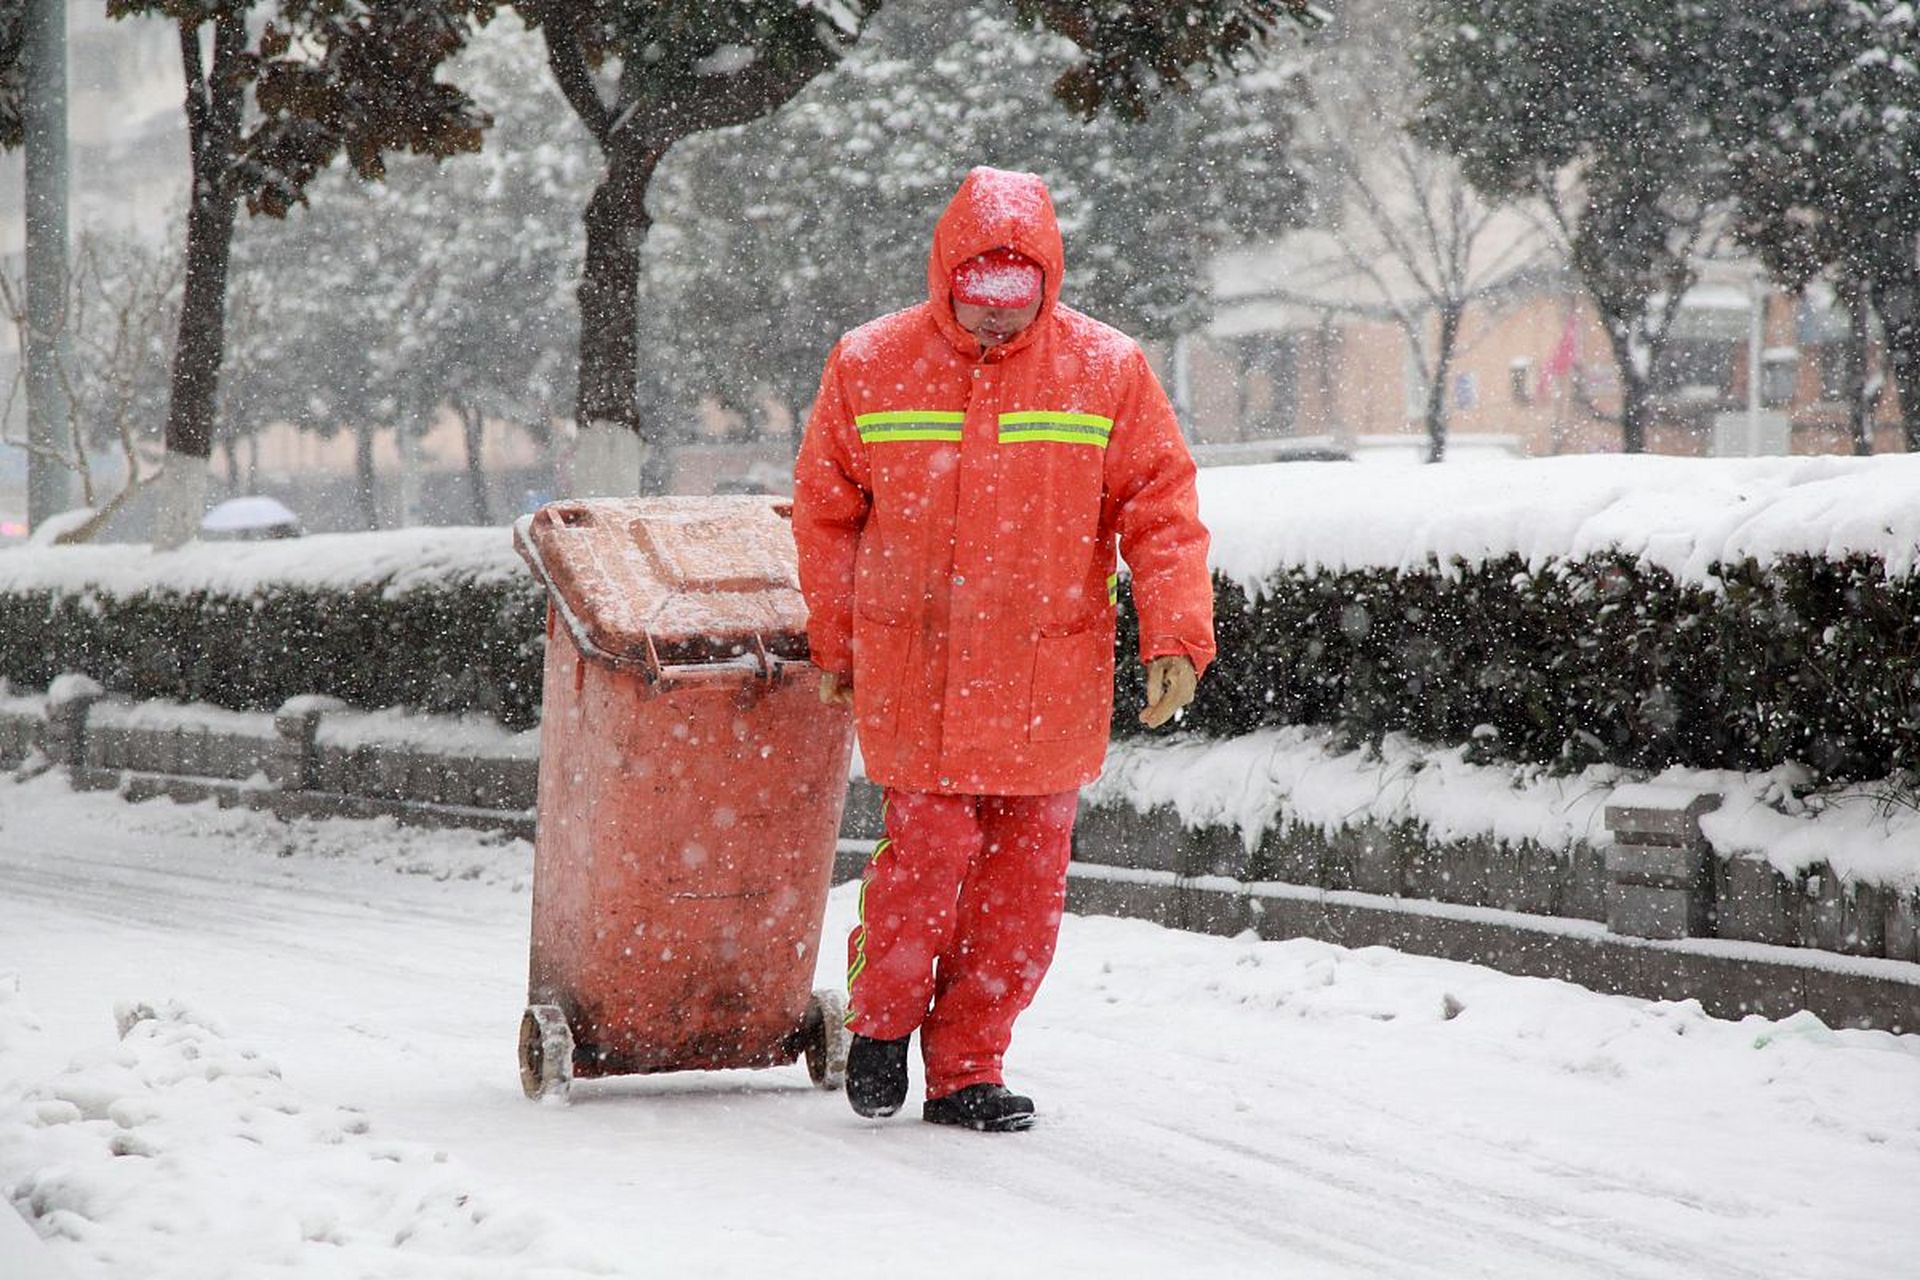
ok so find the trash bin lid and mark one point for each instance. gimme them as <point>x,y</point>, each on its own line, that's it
<point>673,581</point>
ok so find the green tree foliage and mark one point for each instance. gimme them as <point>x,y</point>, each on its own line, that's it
<point>1132,51</point>
<point>775,238</point>
<point>641,75</point>
<point>325,77</point>
<point>644,75</point>
<point>13,21</point>
<point>1821,118</point>
<point>1601,109</point>
<point>463,268</point>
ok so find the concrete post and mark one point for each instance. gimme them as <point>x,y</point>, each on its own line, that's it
<point>69,702</point>
<point>294,763</point>
<point>1660,868</point>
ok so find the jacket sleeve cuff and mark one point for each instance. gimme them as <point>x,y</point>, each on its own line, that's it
<point>832,655</point>
<point>1174,647</point>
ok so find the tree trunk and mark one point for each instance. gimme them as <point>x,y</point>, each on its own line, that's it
<point>197,355</point>
<point>214,102</point>
<point>1897,298</point>
<point>617,226</point>
<point>1636,408</point>
<point>472,428</point>
<point>1437,393</point>
<point>634,131</point>
<point>1853,295</point>
<point>213,117</point>
<point>1636,394</point>
<point>364,481</point>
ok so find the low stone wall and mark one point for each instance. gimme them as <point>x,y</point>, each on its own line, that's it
<point>1736,898</point>
<point>22,723</point>
<point>1731,932</point>
<point>313,757</point>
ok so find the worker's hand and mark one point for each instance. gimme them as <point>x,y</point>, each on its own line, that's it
<point>1170,684</point>
<point>836,690</point>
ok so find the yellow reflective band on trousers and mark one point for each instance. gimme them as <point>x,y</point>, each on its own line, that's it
<point>860,918</point>
<point>908,424</point>
<point>1034,425</point>
<point>1113,588</point>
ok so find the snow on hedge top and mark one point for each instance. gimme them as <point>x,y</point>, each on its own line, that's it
<point>393,562</point>
<point>1679,514</point>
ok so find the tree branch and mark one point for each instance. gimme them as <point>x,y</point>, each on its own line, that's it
<point>567,59</point>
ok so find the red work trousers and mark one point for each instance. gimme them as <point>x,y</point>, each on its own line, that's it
<point>959,911</point>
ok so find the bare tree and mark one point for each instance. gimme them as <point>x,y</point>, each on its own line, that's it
<point>118,315</point>
<point>1402,235</point>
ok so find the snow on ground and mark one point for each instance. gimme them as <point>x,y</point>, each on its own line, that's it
<point>328,1090</point>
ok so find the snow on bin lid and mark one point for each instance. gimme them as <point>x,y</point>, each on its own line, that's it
<point>671,581</point>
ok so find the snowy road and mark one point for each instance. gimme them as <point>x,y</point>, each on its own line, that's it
<point>1210,1107</point>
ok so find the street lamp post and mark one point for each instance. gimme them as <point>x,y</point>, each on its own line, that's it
<point>1756,349</point>
<point>47,344</point>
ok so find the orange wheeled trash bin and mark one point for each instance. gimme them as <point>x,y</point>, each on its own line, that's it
<point>691,786</point>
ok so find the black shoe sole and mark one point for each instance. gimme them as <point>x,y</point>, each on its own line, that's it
<point>999,1124</point>
<point>959,1114</point>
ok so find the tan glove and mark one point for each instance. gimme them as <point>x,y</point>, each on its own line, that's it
<point>1170,685</point>
<point>836,690</point>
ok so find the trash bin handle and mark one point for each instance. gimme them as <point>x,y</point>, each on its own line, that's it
<point>767,667</point>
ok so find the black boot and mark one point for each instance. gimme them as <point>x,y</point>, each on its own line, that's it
<point>990,1108</point>
<point>877,1075</point>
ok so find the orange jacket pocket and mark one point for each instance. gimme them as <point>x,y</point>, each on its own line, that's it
<point>879,672</point>
<point>1072,685</point>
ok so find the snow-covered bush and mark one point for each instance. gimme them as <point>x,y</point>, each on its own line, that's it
<point>436,619</point>
<point>1646,612</point>
<point>1595,660</point>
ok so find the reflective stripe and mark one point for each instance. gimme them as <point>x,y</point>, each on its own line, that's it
<point>1062,428</point>
<point>1113,588</point>
<point>859,964</point>
<point>908,424</point>
<point>1066,419</point>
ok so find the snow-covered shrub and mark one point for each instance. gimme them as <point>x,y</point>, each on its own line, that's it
<point>439,620</point>
<point>1599,659</point>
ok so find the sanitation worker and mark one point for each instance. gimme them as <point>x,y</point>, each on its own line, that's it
<point>966,472</point>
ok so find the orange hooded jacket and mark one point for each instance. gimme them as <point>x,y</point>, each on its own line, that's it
<point>956,514</point>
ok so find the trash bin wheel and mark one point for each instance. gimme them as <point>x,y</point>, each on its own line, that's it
<point>827,1039</point>
<point>546,1052</point>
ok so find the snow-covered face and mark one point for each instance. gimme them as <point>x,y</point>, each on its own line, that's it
<point>994,325</point>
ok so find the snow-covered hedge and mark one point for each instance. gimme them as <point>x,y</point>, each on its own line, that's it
<point>1641,612</point>
<point>1645,612</point>
<point>436,619</point>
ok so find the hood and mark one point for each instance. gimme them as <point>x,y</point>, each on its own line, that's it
<point>994,208</point>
